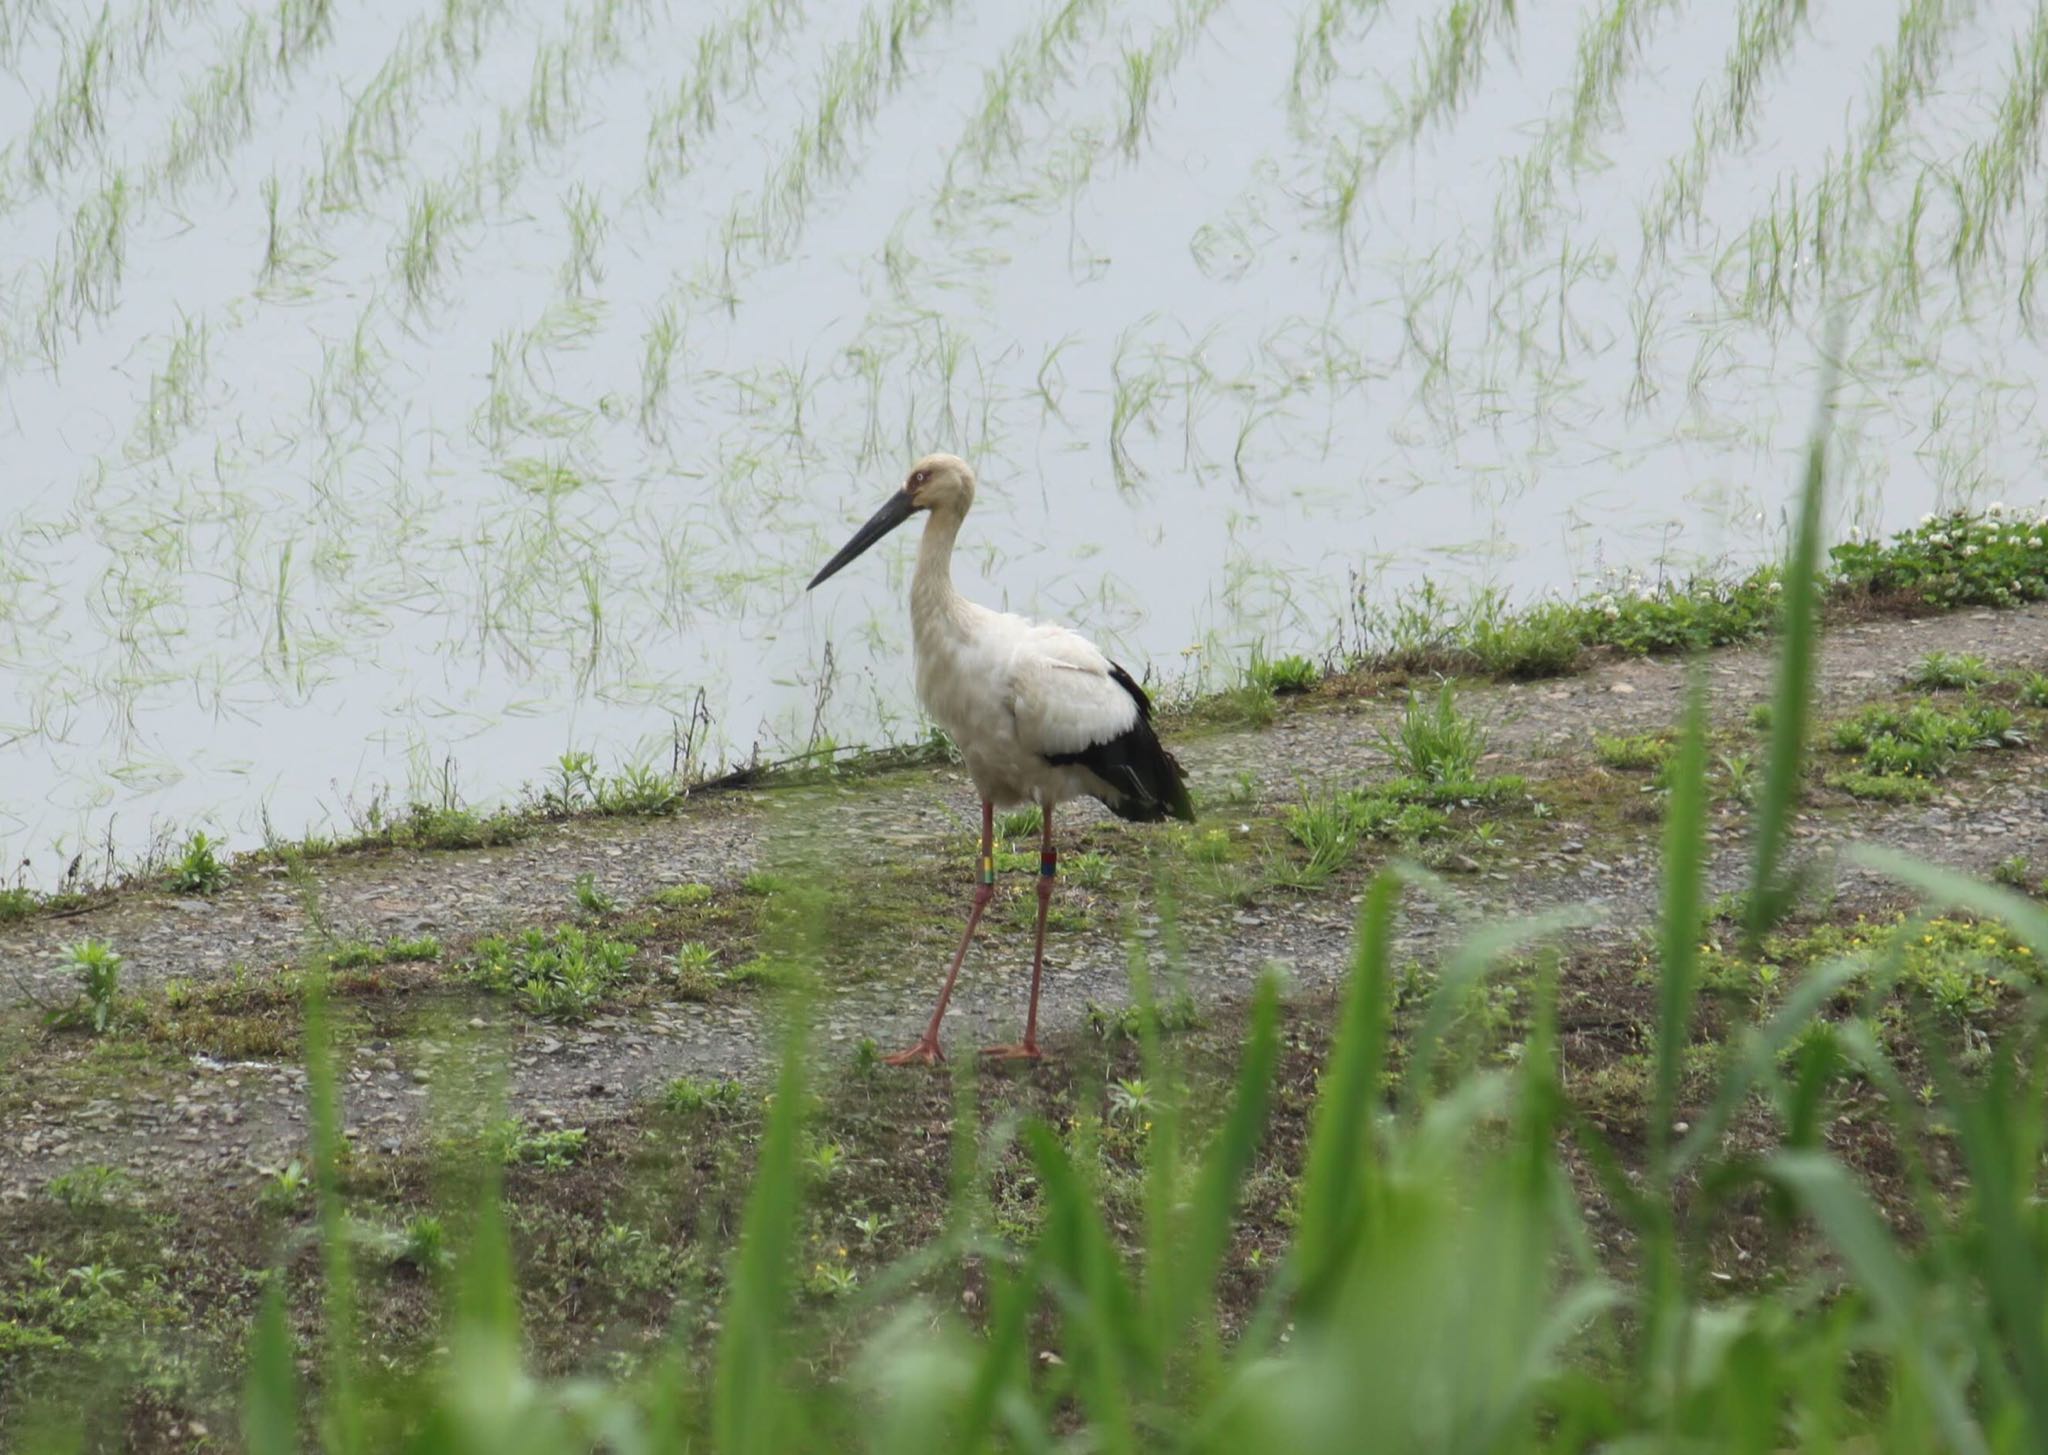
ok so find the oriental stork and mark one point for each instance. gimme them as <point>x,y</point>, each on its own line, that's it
<point>1037,713</point>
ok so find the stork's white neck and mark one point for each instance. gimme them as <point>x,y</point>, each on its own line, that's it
<point>932,597</point>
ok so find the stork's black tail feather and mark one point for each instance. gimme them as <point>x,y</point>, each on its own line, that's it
<point>1145,780</point>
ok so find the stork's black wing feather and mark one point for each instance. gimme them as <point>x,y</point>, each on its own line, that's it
<point>1145,780</point>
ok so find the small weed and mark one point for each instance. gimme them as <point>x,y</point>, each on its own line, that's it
<point>288,1189</point>
<point>98,968</point>
<point>92,1186</point>
<point>561,976</point>
<point>18,903</point>
<point>718,1097</point>
<point>1878,788</point>
<point>1176,1013</point>
<point>638,790</point>
<point>1738,774</point>
<point>425,1243</point>
<point>199,869</point>
<point>762,970</point>
<point>682,896</point>
<point>354,954</point>
<point>359,954</point>
<point>1544,641</point>
<point>1283,677</point>
<point>1250,703</point>
<point>1632,752</point>
<point>1022,823</point>
<point>2016,871</point>
<point>1090,870</point>
<point>1130,1100</point>
<point>591,899</point>
<point>1435,742</point>
<point>1949,671</point>
<point>695,970</point>
<point>831,1280</point>
<point>1922,741</point>
<point>2030,689</point>
<point>512,1144</point>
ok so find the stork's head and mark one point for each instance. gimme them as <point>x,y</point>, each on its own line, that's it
<point>936,482</point>
<point>940,482</point>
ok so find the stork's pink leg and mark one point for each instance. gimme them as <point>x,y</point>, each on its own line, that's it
<point>927,1049</point>
<point>1048,867</point>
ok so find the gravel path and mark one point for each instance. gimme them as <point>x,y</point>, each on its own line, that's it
<point>236,1121</point>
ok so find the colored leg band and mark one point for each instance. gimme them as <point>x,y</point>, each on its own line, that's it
<point>1048,864</point>
<point>988,869</point>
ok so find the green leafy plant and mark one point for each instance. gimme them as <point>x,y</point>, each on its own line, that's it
<point>97,966</point>
<point>690,1094</point>
<point>561,975</point>
<point>199,869</point>
<point>1283,676</point>
<point>1949,671</point>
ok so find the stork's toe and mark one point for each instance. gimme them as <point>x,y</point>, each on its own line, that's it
<point>925,1053</point>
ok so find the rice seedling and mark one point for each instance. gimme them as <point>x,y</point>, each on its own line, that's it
<point>1765,31</point>
<point>429,217</point>
<point>1139,74</point>
<point>587,226</point>
<point>1022,75</point>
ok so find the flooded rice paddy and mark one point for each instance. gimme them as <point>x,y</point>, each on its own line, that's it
<point>406,393</point>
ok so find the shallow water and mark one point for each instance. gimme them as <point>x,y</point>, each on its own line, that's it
<point>281,538</point>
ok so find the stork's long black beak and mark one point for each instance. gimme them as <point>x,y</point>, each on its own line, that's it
<point>893,513</point>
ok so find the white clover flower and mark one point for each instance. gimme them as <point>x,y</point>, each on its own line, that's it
<point>1969,551</point>
<point>1996,507</point>
<point>1927,519</point>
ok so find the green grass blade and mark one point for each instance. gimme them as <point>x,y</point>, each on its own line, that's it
<point>1772,891</point>
<point>1084,1271</point>
<point>342,1413</point>
<point>1828,1193</point>
<point>1341,1158</point>
<point>1998,1129</point>
<point>270,1399</point>
<point>1685,852</point>
<point>1229,1158</point>
<point>745,1400</point>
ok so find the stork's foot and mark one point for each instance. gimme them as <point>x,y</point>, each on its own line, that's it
<point>925,1053</point>
<point>1020,1051</point>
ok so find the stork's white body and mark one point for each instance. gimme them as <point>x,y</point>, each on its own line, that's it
<point>1038,714</point>
<point>1009,691</point>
